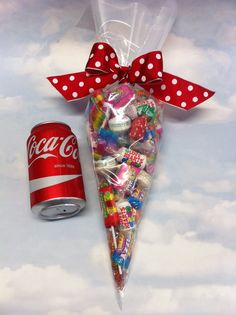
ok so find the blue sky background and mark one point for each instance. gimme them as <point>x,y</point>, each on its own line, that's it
<point>185,257</point>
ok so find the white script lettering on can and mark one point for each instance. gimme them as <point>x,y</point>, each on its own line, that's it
<point>66,146</point>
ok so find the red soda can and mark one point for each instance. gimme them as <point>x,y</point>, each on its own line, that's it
<point>55,177</point>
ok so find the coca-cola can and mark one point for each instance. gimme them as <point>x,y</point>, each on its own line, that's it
<point>55,177</point>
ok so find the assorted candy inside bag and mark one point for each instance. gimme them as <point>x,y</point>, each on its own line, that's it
<point>124,127</point>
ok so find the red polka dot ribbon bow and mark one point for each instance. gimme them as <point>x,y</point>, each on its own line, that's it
<point>147,71</point>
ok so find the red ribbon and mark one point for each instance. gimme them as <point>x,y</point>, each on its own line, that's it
<point>147,71</point>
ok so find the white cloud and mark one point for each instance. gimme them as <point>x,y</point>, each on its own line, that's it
<point>208,67</point>
<point>53,291</point>
<point>216,111</point>
<point>226,34</point>
<point>13,163</point>
<point>67,55</point>
<point>194,300</point>
<point>60,18</point>
<point>99,253</point>
<point>11,104</point>
<point>53,22</point>
<point>162,179</point>
<point>32,48</point>
<point>194,216</point>
<point>186,203</point>
<point>97,310</point>
<point>185,258</point>
<point>218,186</point>
<point>100,258</point>
<point>29,282</point>
<point>62,312</point>
<point>50,289</point>
<point>222,217</point>
<point>154,233</point>
<point>182,57</point>
<point>8,7</point>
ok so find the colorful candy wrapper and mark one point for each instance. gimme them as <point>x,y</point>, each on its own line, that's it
<point>124,114</point>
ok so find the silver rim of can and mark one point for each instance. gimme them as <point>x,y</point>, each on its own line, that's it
<point>58,208</point>
<point>50,122</point>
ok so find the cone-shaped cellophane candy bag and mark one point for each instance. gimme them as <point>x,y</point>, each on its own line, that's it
<point>124,130</point>
<point>124,124</point>
<point>124,119</point>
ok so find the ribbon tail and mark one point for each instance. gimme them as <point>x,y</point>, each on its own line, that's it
<point>179,92</point>
<point>74,86</point>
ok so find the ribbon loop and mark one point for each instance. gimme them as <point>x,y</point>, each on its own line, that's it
<point>101,59</point>
<point>103,68</point>
<point>147,68</point>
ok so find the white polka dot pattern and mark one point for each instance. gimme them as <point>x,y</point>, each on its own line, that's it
<point>75,94</point>
<point>179,93</point>
<point>103,69</point>
<point>141,61</point>
<point>167,98</point>
<point>143,78</point>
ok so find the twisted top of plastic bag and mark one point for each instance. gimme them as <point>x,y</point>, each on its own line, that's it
<point>131,27</point>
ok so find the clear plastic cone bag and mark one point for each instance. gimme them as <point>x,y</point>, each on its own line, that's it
<point>124,124</point>
<point>124,131</point>
<point>124,119</point>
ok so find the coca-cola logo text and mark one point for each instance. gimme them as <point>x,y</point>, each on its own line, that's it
<point>44,148</point>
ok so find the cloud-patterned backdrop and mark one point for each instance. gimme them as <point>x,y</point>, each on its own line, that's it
<point>185,257</point>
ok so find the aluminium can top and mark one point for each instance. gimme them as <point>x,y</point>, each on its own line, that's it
<point>50,122</point>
